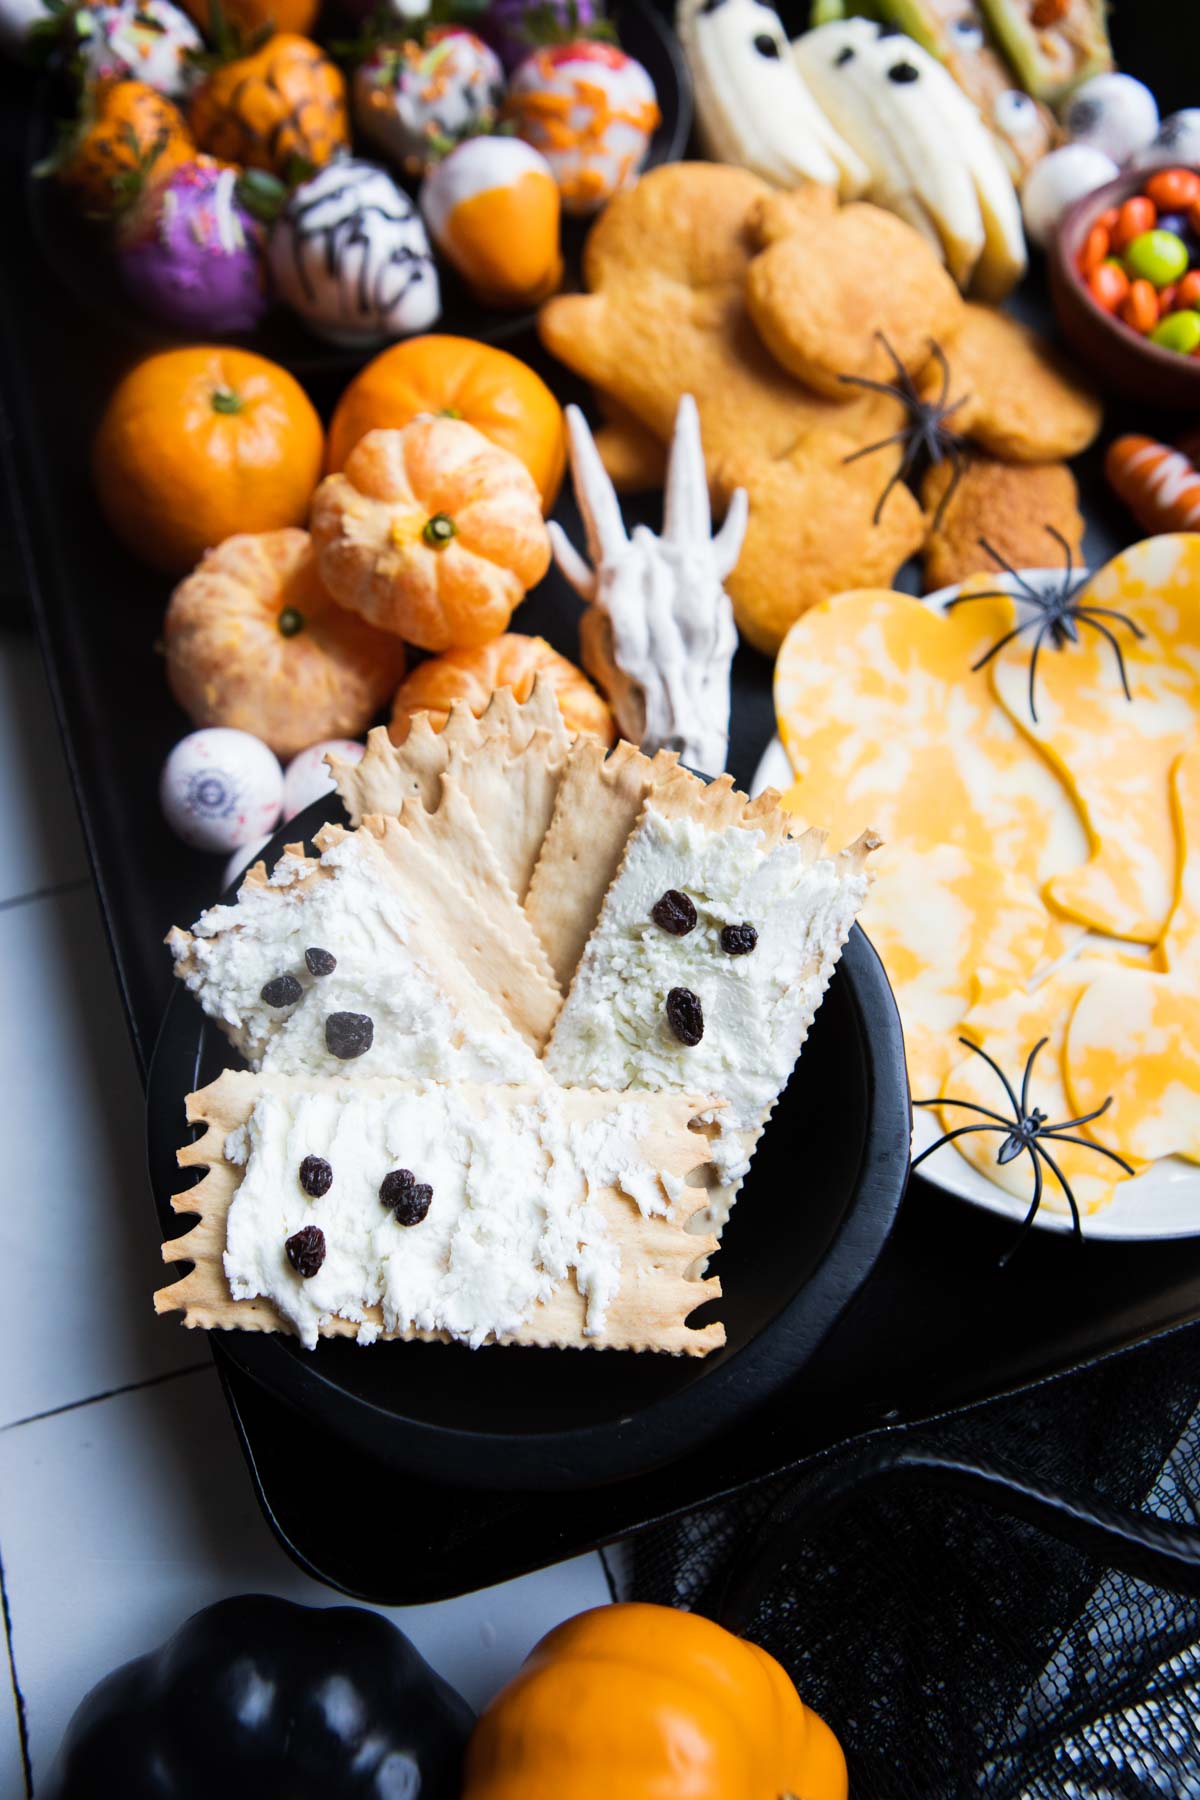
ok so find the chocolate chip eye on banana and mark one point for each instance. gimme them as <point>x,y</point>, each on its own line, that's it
<point>956,32</point>
<point>752,106</point>
<point>930,157</point>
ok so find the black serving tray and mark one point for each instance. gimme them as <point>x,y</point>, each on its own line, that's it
<point>935,1327</point>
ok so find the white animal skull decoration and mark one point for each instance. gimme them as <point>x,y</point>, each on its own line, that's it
<point>658,634</point>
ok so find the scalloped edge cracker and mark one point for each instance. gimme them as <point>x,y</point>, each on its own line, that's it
<point>600,800</point>
<point>389,773</point>
<point>660,1284</point>
<point>723,1194</point>
<point>452,832</point>
<point>474,915</point>
<point>718,805</point>
<point>513,791</point>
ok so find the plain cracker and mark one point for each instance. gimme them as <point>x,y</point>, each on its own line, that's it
<point>599,802</point>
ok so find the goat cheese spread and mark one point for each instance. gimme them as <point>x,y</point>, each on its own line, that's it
<point>387,966</point>
<point>510,1214</point>
<point>756,1005</point>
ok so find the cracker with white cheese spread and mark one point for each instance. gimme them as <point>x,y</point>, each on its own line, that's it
<point>530,1214</point>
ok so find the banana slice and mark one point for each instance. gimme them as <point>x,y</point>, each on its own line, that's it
<point>884,72</point>
<point>823,56</point>
<point>930,156</point>
<point>929,92</point>
<point>752,107</point>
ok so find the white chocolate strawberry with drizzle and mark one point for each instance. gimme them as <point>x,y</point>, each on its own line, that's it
<point>590,109</point>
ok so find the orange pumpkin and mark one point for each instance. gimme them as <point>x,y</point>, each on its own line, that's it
<point>249,17</point>
<point>254,641</point>
<point>283,104</point>
<point>197,444</point>
<point>432,532</point>
<point>646,1703</point>
<point>511,661</point>
<point>499,395</point>
<point>130,136</point>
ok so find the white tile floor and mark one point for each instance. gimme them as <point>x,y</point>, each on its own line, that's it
<point>122,1511</point>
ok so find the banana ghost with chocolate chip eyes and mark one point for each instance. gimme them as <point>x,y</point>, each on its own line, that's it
<point>930,156</point>
<point>1023,129</point>
<point>752,106</point>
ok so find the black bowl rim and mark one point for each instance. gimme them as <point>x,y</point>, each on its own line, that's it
<point>668,1428</point>
<point>1062,259</point>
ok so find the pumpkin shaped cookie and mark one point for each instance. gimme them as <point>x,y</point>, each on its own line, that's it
<point>254,641</point>
<point>432,532</point>
<point>283,104</point>
<point>512,661</point>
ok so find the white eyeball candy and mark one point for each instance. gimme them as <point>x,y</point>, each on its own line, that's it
<point>1113,113</point>
<point>306,777</point>
<point>1177,141</point>
<point>221,788</point>
<point>1057,182</point>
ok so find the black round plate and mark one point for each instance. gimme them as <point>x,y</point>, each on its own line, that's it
<point>810,1223</point>
<point>81,255</point>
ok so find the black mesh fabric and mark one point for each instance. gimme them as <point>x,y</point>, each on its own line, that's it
<point>957,1650</point>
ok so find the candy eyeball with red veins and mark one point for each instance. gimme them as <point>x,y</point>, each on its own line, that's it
<point>1177,141</point>
<point>413,99</point>
<point>307,776</point>
<point>1116,114</point>
<point>1055,184</point>
<point>591,110</point>
<point>221,788</point>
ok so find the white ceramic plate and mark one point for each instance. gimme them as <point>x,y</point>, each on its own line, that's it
<point>1162,1203</point>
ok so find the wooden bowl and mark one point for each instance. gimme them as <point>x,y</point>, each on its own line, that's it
<point>1118,358</point>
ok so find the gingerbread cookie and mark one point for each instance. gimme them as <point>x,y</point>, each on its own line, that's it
<point>1019,399</point>
<point>829,282</point>
<point>665,315</point>
<point>1014,506</point>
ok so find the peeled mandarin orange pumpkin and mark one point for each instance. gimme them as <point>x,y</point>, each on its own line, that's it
<point>493,391</point>
<point>255,642</point>
<point>432,532</point>
<point>511,661</point>
<point>197,444</point>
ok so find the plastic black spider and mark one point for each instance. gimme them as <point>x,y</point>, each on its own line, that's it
<point>1057,615</point>
<point>1025,1131</point>
<point>927,439</point>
